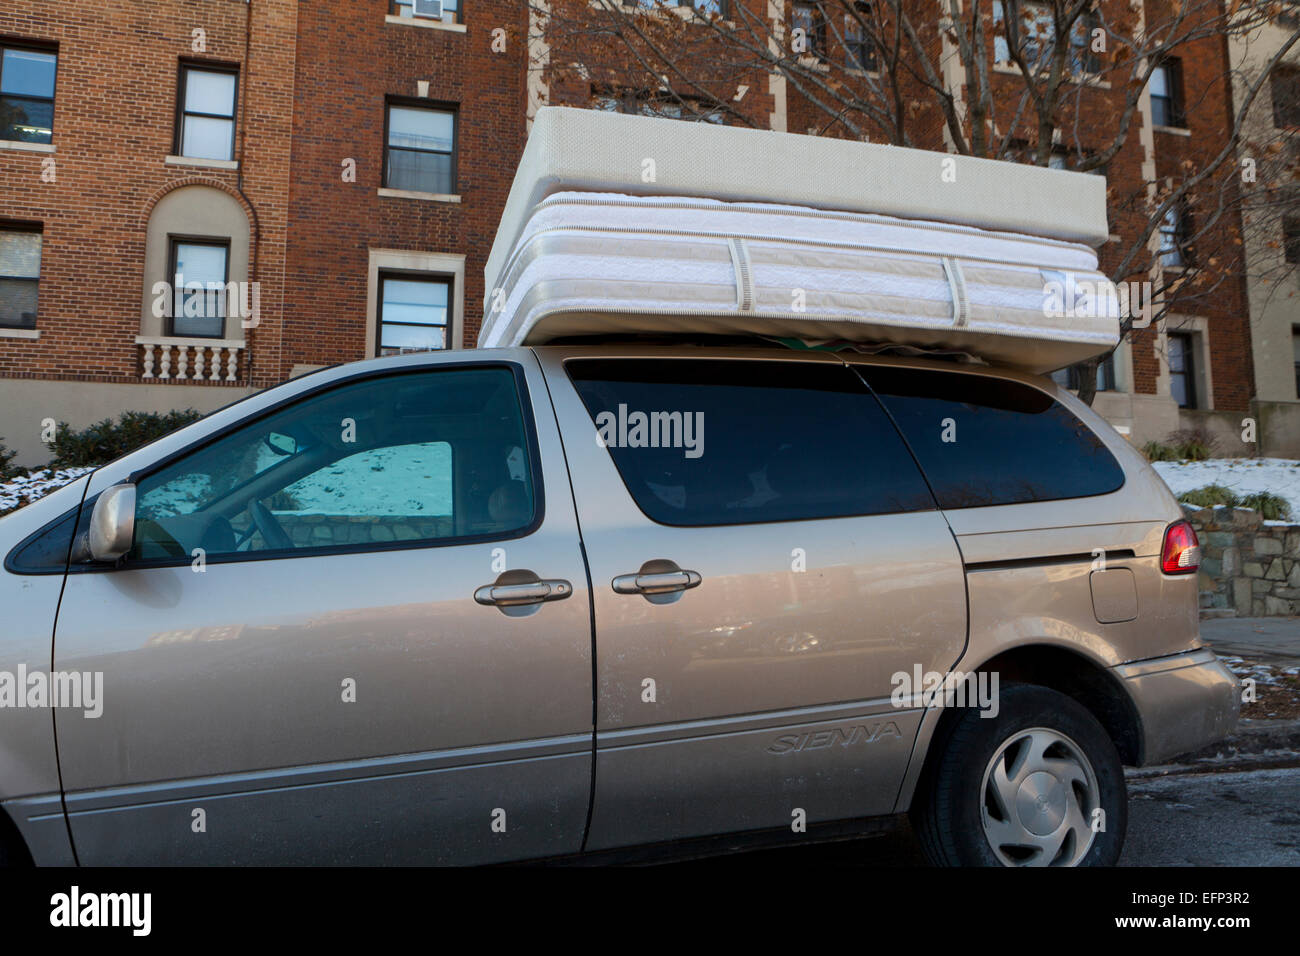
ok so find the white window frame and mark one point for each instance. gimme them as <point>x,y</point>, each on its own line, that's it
<point>432,265</point>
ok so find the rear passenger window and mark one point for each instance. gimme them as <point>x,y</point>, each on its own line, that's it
<point>704,442</point>
<point>986,441</point>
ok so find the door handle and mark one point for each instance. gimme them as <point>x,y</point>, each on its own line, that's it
<point>658,579</point>
<point>662,582</point>
<point>522,588</point>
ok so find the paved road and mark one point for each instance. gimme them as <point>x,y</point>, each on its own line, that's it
<point>1229,819</point>
<point>1275,639</point>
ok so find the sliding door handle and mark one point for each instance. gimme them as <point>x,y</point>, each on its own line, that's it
<point>662,582</point>
<point>658,581</point>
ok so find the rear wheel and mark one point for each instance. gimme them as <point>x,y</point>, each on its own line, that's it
<point>1040,784</point>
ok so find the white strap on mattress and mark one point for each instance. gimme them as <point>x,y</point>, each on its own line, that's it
<point>957,285</point>
<point>744,278</point>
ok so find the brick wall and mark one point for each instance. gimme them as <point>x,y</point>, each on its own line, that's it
<point>314,80</point>
<point>349,62</point>
<point>114,119</point>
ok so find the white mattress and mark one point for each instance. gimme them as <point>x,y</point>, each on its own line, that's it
<point>597,151</point>
<point>590,263</point>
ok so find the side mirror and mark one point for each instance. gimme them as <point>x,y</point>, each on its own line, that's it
<point>282,445</point>
<point>112,525</point>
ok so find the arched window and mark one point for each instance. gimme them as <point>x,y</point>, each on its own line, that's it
<point>196,282</point>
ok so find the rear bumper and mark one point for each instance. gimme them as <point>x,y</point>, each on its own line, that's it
<point>1184,701</point>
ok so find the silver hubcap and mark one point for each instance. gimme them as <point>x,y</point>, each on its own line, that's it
<point>1039,794</point>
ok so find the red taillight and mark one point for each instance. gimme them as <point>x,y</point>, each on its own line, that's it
<point>1182,552</point>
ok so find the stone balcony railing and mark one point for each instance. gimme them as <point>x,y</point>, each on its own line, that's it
<point>173,359</point>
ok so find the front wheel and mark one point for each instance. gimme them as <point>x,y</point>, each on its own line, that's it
<point>1040,784</point>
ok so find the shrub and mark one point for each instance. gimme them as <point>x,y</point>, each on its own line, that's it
<point>1193,444</point>
<point>102,442</point>
<point>1209,496</point>
<point>7,468</point>
<point>1271,507</point>
<point>1155,451</point>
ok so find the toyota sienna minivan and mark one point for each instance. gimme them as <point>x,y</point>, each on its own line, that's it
<point>530,603</point>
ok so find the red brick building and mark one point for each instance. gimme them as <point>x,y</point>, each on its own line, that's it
<point>348,162</point>
<point>1192,371</point>
<point>338,169</point>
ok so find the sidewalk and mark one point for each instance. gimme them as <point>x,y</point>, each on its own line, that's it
<point>1267,651</point>
<point>1266,639</point>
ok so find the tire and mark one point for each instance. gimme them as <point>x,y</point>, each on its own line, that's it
<point>1022,788</point>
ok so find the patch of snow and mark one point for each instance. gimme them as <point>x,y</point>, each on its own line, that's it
<point>405,480</point>
<point>24,489</point>
<point>1245,476</point>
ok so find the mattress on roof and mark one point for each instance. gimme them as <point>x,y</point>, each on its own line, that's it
<point>604,263</point>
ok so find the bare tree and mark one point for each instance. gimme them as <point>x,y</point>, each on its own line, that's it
<point>1053,82</point>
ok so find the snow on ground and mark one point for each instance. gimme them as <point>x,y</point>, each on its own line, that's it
<point>25,489</point>
<point>398,480</point>
<point>1245,476</point>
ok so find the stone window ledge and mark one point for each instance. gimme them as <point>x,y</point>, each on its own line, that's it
<point>426,23</point>
<point>202,163</point>
<point>26,147</point>
<point>412,194</point>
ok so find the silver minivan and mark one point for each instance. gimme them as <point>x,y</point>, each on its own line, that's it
<point>531,603</point>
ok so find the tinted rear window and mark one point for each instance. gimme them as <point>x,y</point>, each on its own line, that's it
<point>751,441</point>
<point>984,441</point>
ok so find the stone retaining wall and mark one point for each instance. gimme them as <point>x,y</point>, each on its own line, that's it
<point>321,531</point>
<point>1247,566</point>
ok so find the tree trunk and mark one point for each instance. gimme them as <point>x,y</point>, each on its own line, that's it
<point>1088,380</point>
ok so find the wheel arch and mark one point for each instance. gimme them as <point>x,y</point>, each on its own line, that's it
<point>1069,672</point>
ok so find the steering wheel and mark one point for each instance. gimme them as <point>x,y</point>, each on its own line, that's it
<point>274,535</point>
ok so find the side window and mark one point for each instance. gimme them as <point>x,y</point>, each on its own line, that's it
<point>985,441</point>
<point>425,457</point>
<point>704,442</point>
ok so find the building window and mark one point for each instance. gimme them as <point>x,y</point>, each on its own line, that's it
<point>707,7</point>
<point>859,49</point>
<point>1285,83</point>
<point>421,151</point>
<point>20,273</point>
<point>200,269</point>
<point>413,313</point>
<point>808,18</point>
<point>1182,369</point>
<point>1174,233</point>
<point>1082,59</point>
<point>206,113</point>
<point>1167,94</point>
<point>1072,377</point>
<point>1295,356</point>
<point>1291,238</point>
<point>1037,32</point>
<point>448,11</point>
<point>27,95</point>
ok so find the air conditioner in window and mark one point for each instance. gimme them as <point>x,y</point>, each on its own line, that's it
<point>431,9</point>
